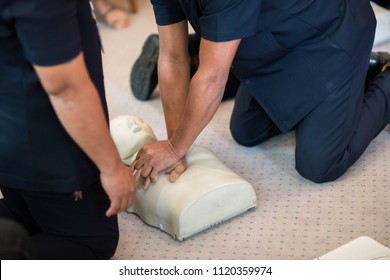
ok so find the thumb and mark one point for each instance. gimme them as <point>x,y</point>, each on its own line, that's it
<point>176,172</point>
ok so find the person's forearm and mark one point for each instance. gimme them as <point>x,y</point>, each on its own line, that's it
<point>82,116</point>
<point>77,104</point>
<point>204,98</point>
<point>206,91</point>
<point>174,79</point>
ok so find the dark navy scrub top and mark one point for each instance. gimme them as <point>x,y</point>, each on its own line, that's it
<point>35,151</point>
<point>293,54</point>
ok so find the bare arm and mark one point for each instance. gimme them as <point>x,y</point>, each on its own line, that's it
<point>77,104</point>
<point>184,101</point>
<point>173,72</point>
<point>188,107</point>
<point>205,92</point>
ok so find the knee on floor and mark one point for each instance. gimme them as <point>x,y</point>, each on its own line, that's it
<point>243,138</point>
<point>316,168</point>
<point>248,137</point>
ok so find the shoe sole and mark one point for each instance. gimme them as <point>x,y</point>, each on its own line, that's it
<point>143,77</point>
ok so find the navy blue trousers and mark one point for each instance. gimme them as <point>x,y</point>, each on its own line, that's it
<point>15,242</point>
<point>332,136</point>
<point>61,227</point>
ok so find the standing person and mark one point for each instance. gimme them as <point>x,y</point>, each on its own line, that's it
<point>60,173</point>
<point>302,65</point>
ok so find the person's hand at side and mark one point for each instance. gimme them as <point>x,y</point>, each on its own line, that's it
<point>77,104</point>
<point>119,184</point>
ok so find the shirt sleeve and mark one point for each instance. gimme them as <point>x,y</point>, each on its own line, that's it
<point>224,20</point>
<point>167,12</point>
<point>48,30</point>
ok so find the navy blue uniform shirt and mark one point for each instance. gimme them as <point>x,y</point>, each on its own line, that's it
<point>293,54</point>
<point>35,151</point>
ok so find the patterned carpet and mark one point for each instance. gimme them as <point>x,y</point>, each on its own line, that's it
<point>294,219</point>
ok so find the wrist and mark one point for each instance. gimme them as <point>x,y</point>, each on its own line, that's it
<point>110,167</point>
<point>174,148</point>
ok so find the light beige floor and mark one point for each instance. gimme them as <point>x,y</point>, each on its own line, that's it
<point>295,219</point>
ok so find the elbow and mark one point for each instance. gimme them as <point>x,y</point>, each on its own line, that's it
<point>213,81</point>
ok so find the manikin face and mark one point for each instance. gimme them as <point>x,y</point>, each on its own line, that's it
<point>130,133</point>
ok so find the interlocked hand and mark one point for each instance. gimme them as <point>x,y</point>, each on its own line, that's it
<point>153,159</point>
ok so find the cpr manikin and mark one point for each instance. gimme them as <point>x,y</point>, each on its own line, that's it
<point>206,194</point>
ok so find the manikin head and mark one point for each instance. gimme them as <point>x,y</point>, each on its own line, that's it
<point>206,194</point>
<point>130,133</point>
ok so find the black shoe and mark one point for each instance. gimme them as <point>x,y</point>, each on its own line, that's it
<point>143,76</point>
<point>378,62</point>
<point>386,67</point>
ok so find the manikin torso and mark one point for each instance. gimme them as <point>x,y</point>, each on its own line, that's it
<point>207,193</point>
